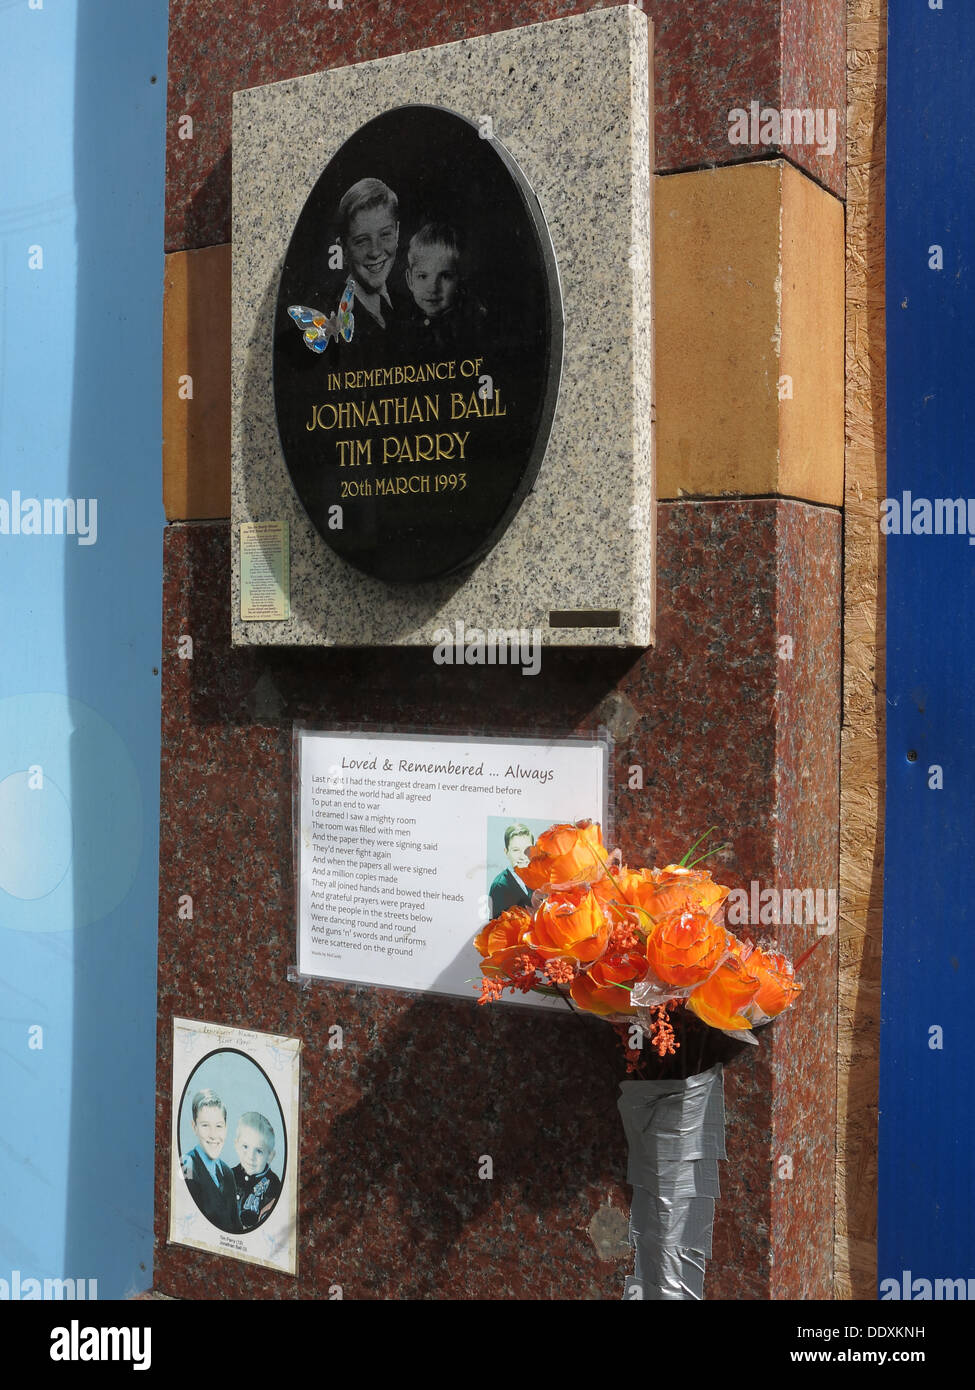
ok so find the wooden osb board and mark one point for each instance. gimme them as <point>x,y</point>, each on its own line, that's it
<point>862,767</point>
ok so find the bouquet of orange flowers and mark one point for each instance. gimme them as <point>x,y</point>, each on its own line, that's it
<point>632,946</point>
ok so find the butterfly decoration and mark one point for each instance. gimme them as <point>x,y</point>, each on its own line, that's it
<point>318,329</point>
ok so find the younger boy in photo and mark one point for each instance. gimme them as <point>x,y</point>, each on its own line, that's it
<point>257,1187</point>
<point>447,317</point>
<point>209,1179</point>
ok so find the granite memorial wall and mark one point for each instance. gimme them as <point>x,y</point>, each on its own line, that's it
<point>730,718</point>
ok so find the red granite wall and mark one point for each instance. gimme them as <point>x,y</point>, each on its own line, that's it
<point>392,1126</point>
<point>711,56</point>
<point>727,731</point>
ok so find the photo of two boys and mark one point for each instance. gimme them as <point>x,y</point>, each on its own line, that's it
<point>417,306</point>
<point>428,223</point>
<point>235,1199</point>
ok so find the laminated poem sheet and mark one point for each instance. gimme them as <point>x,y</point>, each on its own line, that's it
<point>406,846</point>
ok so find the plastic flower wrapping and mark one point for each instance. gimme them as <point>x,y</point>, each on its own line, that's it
<point>632,945</point>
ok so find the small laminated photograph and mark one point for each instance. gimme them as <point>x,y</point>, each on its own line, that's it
<point>232,1139</point>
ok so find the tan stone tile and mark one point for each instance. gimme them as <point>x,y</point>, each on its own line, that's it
<point>196,344</point>
<point>749,291</point>
<point>811,431</point>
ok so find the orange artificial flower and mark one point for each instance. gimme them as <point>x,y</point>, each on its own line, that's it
<point>506,930</point>
<point>626,924</point>
<point>633,882</point>
<point>511,962</point>
<point>609,890</point>
<point>597,990</point>
<point>685,947</point>
<point>570,923</point>
<point>776,987</point>
<point>722,1000</point>
<point>674,889</point>
<point>565,856</point>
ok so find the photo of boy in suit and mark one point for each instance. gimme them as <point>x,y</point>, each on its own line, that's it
<point>507,889</point>
<point>209,1179</point>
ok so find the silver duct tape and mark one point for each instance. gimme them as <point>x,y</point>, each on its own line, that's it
<point>681,1221</point>
<point>670,1123</point>
<point>675,1132</point>
<point>714,1119</point>
<point>674,1120</point>
<point>698,1178</point>
<point>675,1085</point>
<point>676,1274</point>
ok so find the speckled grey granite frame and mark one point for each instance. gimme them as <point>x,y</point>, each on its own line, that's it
<point>570,100</point>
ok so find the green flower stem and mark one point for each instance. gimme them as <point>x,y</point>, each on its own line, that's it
<point>710,831</point>
<point>717,850</point>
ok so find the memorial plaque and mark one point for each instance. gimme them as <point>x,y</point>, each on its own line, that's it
<point>418,345</point>
<point>441,348</point>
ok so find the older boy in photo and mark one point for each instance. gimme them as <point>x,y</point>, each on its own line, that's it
<point>209,1179</point>
<point>368,222</point>
<point>507,890</point>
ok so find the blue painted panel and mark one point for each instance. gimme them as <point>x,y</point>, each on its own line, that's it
<point>81,267</point>
<point>927,1079</point>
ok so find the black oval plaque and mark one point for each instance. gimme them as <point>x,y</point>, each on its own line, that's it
<point>418,345</point>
